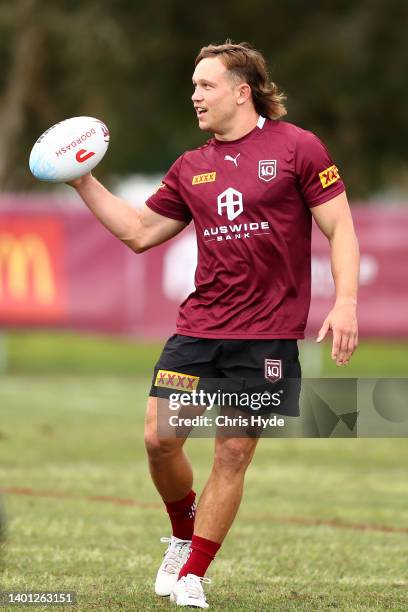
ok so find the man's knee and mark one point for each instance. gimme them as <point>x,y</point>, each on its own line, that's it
<point>158,447</point>
<point>233,454</point>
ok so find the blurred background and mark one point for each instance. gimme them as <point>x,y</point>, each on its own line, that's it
<point>83,319</point>
<point>343,69</point>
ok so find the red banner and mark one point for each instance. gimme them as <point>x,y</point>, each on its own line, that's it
<point>383,294</point>
<point>60,268</point>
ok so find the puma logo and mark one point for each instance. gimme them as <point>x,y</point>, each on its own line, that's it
<point>233,159</point>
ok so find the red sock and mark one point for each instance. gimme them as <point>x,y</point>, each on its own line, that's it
<point>202,552</point>
<point>182,515</point>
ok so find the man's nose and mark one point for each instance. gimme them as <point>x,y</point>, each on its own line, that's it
<point>196,96</point>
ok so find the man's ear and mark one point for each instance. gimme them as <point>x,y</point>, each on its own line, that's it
<point>244,93</point>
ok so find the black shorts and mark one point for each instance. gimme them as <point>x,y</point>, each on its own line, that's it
<point>239,370</point>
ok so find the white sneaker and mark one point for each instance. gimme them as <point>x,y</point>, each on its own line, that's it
<point>188,591</point>
<point>173,560</point>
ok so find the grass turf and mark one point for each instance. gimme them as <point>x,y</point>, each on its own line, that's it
<point>60,352</point>
<point>81,437</point>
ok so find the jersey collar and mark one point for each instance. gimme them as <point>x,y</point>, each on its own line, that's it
<point>224,143</point>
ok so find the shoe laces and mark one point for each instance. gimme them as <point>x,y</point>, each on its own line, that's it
<point>193,585</point>
<point>174,555</point>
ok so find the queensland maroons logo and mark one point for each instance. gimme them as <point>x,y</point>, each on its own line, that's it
<point>267,169</point>
<point>273,370</point>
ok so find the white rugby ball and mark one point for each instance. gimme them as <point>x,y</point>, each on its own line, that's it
<point>69,149</point>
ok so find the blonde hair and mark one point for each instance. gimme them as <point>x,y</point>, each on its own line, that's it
<point>249,65</point>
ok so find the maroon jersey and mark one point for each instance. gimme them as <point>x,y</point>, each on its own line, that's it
<point>250,201</point>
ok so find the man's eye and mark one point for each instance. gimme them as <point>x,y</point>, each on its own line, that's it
<point>202,86</point>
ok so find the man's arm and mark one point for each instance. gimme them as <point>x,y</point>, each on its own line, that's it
<point>138,229</point>
<point>335,221</point>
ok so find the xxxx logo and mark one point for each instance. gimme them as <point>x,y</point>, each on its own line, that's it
<point>176,380</point>
<point>329,176</point>
<point>209,177</point>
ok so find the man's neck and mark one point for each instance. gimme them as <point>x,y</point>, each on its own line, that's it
<point>239,129</point>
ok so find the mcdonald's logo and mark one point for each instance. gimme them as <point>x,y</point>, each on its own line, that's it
<point>31,280</point>
<point>22,256</point>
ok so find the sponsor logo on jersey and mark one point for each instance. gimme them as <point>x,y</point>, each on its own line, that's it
<point>209,177</point>
<point>176,380</point>
<point>236,231</point>
<point>267,169</point>
<point>329,176</point>
<point>234,160</point>
<point>231,200</point>
<point>273,370</point>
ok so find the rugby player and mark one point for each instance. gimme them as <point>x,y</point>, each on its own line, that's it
<point>251,191</point>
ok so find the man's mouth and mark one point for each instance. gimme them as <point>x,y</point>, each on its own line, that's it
<point>200,110</point>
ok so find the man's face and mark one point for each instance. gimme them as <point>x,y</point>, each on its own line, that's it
<point>215,95</point>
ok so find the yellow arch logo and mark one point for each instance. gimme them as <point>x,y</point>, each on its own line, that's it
<point>23,258</point>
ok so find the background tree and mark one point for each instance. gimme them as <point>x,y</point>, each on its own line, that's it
<point>342,65</point>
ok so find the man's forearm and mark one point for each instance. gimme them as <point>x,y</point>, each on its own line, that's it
<point>115,214</point>
<point>345,264</point>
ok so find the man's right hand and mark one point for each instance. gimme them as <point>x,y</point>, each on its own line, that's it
<point>81,181</point>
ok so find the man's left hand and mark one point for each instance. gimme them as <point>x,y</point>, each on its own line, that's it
<point>342,320</point>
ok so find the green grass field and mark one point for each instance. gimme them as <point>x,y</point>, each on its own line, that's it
<point>58,352</point>
<point>323,524</point>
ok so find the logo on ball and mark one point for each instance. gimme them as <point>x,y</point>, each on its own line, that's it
<point>82,155</point>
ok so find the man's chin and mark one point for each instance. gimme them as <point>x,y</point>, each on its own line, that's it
<point>204,126</point>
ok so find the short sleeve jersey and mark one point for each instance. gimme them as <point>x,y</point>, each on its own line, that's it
<point>250,202</point>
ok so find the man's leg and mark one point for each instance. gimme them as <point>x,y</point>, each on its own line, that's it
<point>219,501</point>
<point>173,477</point>
<point>169,466</point>
<point>171,473</point>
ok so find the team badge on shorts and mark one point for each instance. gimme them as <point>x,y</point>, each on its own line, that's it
<point>273,370</point>
<point>267,169</point>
